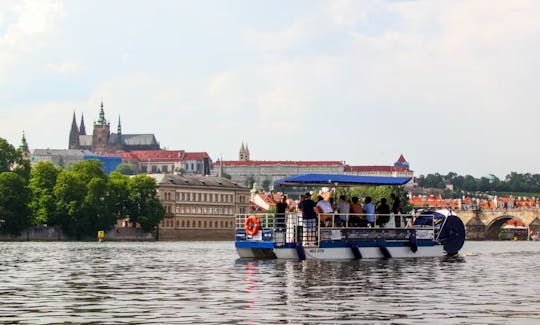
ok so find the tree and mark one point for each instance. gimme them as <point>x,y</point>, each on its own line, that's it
<point>88,169</point>
<point>250,180</point>
<point>125,169</point>
<point>119,194</point>
<point>12,159</point>
<point>145,207</point>
<point>69,192</point>
<point>42,181</point>
<point>98,213</point>
<point>266,184</point>
<point>14,197</point>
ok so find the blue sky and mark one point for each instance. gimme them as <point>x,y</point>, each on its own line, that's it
<point>451,85</point>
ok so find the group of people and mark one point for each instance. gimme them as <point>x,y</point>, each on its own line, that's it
<point>349,212</point>
<point>345,212</point>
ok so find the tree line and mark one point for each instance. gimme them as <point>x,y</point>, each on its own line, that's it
<point>513,183</point>
<point>81,198</point>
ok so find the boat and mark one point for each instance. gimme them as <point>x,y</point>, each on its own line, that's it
<point>513,230</point>
<point>535,236</point>
<point>425,233</point>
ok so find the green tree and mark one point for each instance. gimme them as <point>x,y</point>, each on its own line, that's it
<point>266,184</point>
<point>145,207</point>
<point>89,169</point>
<point>14,198</point>
<point>98,213</point>
<point>70,191</point>
<point>119,194</point>
<point>250,180</point>
<point>125,169</point>
<point>11,159</point>
<point>42,181</point>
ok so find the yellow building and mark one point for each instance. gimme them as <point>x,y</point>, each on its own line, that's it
<point>199,207</point>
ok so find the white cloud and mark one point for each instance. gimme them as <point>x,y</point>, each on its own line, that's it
<point>26,28</point>
<point>66,67</point>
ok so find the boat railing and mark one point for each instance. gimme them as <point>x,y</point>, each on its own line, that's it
<point>291,228</point>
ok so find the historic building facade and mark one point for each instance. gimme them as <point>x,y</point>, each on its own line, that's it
<point>102,140</point>
<point>199,207</point>
<point>399,169</point>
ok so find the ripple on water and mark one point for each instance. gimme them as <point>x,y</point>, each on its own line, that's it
<point>205,282</point>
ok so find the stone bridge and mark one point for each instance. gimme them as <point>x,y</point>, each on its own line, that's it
<point>485,224</point>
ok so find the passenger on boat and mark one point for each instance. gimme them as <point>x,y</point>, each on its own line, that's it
<point>355,209</point>
<point>396,208</point>
<point>309,219</point>
<point>383,213</point>
<point>281,208</point>
<point>344,209</point>
<point>325,211</point>
<point>369,210</point>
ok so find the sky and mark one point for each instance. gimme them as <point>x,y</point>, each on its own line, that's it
<point>451,85</point>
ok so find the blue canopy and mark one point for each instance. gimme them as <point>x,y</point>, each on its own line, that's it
<point>340,179</point>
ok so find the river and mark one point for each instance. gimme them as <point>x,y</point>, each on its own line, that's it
<point>205,283</point>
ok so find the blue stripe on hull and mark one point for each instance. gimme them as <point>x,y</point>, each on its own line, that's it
<point>253,244</point>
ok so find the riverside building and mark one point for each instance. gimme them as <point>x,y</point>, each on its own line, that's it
<point>199,207</point>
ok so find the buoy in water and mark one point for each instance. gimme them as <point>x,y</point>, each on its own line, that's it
<point>100,235</point>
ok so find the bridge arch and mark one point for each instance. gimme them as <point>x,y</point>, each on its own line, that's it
<point>493,228</point>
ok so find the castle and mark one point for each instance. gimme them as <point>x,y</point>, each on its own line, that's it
<point>103,141</point>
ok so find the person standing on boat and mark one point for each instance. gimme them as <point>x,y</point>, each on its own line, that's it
<point>281,209</point>
<point>396,208</point>
<point>309,218</point>
<point>383,213</point>
<point>369,211</point>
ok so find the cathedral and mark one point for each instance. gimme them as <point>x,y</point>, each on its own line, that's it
<point>103,141</point>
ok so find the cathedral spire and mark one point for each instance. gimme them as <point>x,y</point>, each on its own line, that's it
<point>119,125</point>
<point>82,128</point>
<point>74,134</point>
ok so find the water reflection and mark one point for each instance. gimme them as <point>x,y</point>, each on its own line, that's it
<point>201,282</point>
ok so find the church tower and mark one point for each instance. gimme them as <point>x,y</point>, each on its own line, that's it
<point>25,150</point>
<point>244,153</point>
<point>74,135</point>
<point>102,131</point>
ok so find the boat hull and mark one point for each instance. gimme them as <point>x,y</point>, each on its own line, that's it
<point>347,253</point>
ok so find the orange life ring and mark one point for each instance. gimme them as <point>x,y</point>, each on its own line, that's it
<point>252,225</point>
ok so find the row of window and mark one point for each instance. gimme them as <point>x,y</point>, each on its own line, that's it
<point>198,197</point>
<point>215,224</point>
<point>205,210</point>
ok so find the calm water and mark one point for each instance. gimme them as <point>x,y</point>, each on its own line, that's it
<point>205,283</point>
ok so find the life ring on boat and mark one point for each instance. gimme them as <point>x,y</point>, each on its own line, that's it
<point>252,225</point>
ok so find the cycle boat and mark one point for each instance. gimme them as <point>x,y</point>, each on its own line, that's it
<point>422,234</point>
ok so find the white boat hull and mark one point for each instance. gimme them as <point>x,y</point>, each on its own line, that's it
<point>346,253</point>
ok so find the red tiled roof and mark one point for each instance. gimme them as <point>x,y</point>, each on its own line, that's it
<point>159,154</point>
<point>375,168</point>
<point>195,155</point>
<point>283,162</point>
<point>401,159</point>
